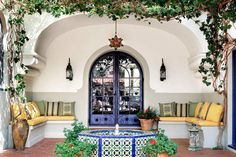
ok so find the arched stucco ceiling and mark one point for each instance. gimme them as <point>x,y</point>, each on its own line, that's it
<point>187,32</point>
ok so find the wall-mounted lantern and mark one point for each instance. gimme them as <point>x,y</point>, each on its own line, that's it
<point>163,71</point>
<point>69,72</point>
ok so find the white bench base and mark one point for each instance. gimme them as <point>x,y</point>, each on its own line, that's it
<point>54,129</point>
<point>180,130</point>
<point>35,135</point>
<point>210,135</point>
<point>174,129</point>
<point>49,129</point>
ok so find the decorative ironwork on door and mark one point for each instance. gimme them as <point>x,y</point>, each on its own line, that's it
<point>116,90</point>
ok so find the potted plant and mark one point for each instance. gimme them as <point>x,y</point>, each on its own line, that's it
<point>20,127</point>
<point>147,118</point>
<point>161,146</point>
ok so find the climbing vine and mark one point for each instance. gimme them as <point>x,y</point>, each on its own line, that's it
<point>220,18</point>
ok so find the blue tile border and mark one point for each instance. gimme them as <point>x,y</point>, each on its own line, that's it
<point>133,147</point>
<point>100,148</point>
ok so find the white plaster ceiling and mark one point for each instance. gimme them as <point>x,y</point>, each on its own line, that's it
<point>186,31</point>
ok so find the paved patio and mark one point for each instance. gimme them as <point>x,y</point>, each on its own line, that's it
<point>46,148</point>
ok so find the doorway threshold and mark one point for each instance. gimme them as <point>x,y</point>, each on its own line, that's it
<point>232,148</point>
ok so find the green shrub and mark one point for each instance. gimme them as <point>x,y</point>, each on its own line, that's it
<point>72,134</point>
<point>75,148</point>
<point>72,147</point>
<point>161,144</point>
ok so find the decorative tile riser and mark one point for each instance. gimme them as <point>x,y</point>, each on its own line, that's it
<point>117,147</point>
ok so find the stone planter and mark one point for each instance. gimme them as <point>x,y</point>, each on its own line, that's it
<point>146,124</point>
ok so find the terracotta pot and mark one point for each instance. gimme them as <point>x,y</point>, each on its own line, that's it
<point>146,124</point>
<point>160,155</point>
<point>20,130</point>
<point>80,154</point>
<point>163,155</point>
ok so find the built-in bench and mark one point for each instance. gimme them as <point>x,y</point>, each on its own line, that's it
<point>41,125</point>
<point>177,127</point>
<point>47,127</point>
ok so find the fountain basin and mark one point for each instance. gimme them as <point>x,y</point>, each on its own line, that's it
<point>128,143</point>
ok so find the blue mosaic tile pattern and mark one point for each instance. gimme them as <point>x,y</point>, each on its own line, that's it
<point>117,147</point>
<point>128,143</point>
<point>91,140</point>
<point>139,142</point>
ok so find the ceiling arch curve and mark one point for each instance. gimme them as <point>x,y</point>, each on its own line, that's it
<point>186,32</point>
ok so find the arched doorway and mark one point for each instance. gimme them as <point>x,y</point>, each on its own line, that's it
<point>115,90</point>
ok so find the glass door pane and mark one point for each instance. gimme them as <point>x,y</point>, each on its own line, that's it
<point>129,91</point>
<point>102,85</point>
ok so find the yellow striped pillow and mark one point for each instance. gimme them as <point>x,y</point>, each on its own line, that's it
<point>204,110</point>
<point>215,113</point>
<point>36,109</point>
<point>23,114</point>
<point>30,109</point>
<point>198,109</point>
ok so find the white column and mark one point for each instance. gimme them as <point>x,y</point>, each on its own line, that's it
<point>4,120</point>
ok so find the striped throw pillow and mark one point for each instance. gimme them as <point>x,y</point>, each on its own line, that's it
<point>52,108</point>
<point>66,108</point>
<point>182,110</point>
<point>30,110</point>
<point>185,110</point>
<point>178,110</point>
<point>36,109</point>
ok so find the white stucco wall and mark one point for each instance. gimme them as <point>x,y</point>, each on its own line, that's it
<point>4,120</point>
<point>152,44</point>
<point>4,104</point>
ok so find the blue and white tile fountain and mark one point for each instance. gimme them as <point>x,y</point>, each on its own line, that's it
<point>117,143</point>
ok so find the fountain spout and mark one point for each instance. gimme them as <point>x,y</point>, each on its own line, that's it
<point>117,129</point>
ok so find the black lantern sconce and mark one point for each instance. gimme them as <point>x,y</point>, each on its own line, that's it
<point>69,72</point>
<point>163,71</point>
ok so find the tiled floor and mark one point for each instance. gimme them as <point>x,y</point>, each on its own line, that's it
<point>46,149</point>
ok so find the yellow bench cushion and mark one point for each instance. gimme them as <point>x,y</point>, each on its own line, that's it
<point>173,119</point>
<point>37,120</point>
<point>207,123</point>
<point>215,112</point>
<point>204,110</point>
<point>198,109</point>
<point>60,118</point>
<point>192,119</point>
